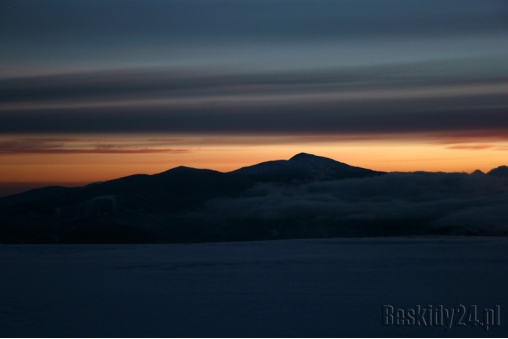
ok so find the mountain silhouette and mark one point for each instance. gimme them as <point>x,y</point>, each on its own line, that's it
<point>303,167</point>
<point>174,190</point>
<point>501,171</point>
<point>305,196</point>
<point>185,186</point>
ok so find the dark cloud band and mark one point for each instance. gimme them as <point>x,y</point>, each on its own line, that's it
<point>313,119</point>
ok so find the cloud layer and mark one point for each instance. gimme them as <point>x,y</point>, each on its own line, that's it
<point>262,67</point>
<point>77,146</point>
<point>421,201</point>
<point>374,100</point>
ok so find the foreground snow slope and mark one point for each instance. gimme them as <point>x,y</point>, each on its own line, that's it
<point>332,287</point>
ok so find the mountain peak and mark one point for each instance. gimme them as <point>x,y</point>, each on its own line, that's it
<point>303,155</point>
<point>501,171</point>
<point>303,167</point>
<point>183,168</point>
<point>306,157</point>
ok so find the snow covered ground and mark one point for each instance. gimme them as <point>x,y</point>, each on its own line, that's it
<point>314,287</point>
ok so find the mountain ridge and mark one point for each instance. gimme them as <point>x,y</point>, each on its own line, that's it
<point>300,168</point>
<point>304,196</point>
<point>299,159</point>
<point>303,167</point>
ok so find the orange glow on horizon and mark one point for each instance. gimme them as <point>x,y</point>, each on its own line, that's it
<point>99,158</point>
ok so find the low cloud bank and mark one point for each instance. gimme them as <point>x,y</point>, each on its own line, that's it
<point>456,202</point>
<point>394,204</point>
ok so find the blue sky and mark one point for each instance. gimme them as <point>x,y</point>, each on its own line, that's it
<point>239,36</point>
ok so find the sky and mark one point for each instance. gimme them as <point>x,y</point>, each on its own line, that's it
<point>98,89</point>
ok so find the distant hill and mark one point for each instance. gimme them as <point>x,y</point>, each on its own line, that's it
<point>501,171</point>
<point>303,167</point>
<point>305,196</point>
<point>174,190</point>
<point>33,194</point>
